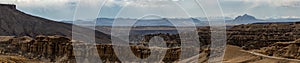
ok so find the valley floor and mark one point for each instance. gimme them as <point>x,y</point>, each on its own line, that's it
<point>236,54</point>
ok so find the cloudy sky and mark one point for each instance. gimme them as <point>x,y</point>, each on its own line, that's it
<point>65,9</point>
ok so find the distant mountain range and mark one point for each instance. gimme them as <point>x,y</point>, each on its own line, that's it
<point>16,23</point>
<point>149,22</point>
<point>243,19</point>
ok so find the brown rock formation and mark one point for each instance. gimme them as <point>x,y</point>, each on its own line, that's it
<point>40,47</point>
<point>254,36</point>
<point>60,49</point>
<point>173,40</point>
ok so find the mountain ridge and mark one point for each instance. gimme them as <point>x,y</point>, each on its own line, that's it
<point>16,23</point>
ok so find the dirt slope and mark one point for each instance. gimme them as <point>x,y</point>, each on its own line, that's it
<point>16,59</point>
<point>17,23</point>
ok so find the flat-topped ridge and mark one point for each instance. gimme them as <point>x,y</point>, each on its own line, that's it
<point>12,6</point>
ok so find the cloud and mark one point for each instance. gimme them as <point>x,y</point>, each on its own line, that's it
<point>292,4</point>
<point>140,3</point>
<point>164,8</point>
<point>50,9</point>
<point>64,9</point>
<point>277,3</point>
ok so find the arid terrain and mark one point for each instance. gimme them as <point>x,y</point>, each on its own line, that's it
<point>28,54</point>
<point>30,39</point>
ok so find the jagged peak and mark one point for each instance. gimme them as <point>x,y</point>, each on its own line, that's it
<point>245,17</point>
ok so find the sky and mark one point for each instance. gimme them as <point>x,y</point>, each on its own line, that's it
<point>64,10</point>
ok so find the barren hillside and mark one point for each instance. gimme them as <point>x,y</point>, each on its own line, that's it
<point>16,23</point>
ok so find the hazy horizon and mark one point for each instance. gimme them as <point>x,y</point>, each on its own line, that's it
<point>64,9</point>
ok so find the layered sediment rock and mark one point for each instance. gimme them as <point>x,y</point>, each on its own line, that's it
<point>60,49</point>
<point>254,36</point>
<point>249,36</point>
<point>40,47</point>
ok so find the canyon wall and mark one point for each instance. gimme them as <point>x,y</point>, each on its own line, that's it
<point>254,36</point>
<point>60,49</point>
<point>247,36</point>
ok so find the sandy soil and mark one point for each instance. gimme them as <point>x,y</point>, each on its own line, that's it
<point>16,59</point>
<point>235,54</point>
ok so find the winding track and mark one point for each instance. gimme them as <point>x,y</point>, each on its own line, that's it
<point>202,55</point>
<point>273,57</point>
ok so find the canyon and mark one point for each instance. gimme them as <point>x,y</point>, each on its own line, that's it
<point>25,38</point>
